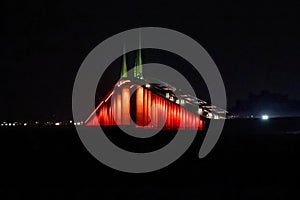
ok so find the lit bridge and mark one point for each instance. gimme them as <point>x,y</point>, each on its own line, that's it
<point>151,105</point>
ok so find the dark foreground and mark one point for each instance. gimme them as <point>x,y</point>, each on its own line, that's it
<point>253,159</point>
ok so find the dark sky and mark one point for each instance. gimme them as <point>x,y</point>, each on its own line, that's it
<point>255,45</point>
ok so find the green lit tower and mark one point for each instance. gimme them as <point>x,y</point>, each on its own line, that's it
<point>138,66</point>
<point>124,67</point>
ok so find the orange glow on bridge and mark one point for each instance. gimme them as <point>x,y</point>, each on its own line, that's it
<point>148,110</point>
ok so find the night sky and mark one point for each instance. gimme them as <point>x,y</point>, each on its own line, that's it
<point>255,46</point>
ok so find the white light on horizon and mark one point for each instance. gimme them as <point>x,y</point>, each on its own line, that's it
<point>265,117</point>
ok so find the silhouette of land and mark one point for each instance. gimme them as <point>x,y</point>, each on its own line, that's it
<point>266,102</point>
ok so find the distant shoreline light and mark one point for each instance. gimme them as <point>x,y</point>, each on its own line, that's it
<point>264,117</point>
<point>41,123</point>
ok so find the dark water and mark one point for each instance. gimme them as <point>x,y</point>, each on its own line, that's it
<point>252,159</point>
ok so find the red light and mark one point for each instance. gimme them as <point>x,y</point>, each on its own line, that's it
<point>151,111</point>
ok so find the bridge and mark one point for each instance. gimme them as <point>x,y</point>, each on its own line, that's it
<point>151,104</point>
